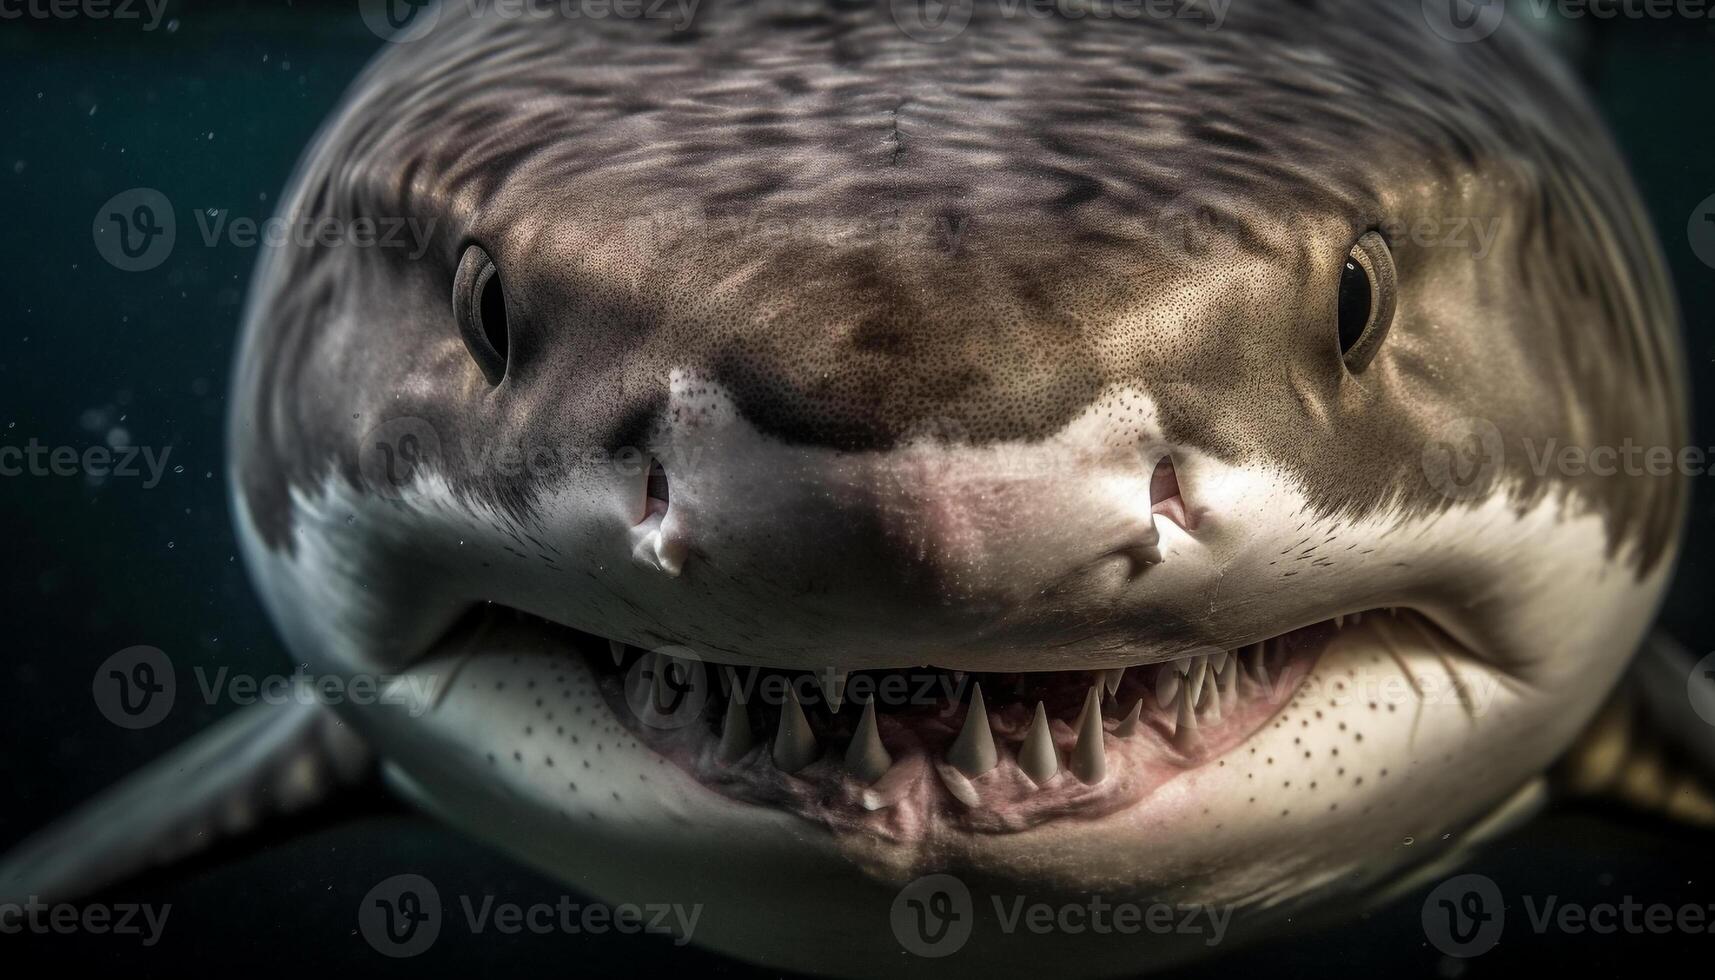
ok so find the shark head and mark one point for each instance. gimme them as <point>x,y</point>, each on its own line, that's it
<point>1079,459</point>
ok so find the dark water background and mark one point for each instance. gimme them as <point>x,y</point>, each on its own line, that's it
<point>213,110</point>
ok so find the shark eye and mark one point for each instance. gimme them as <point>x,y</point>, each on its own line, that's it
<point>1367,291</point>
<point>479,304</point>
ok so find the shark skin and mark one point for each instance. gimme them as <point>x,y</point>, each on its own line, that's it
<point>1082,457</point>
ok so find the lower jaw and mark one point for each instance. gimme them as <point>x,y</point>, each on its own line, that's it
<point>1149,730</point>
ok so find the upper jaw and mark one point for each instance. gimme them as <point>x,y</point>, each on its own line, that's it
<point>981,752</point>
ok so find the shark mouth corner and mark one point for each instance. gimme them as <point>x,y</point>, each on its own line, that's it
<point>902,752</point>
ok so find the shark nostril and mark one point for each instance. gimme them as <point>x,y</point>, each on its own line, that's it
<point>657,538</point>
<point>1165,498</point>
<point>657,491</point>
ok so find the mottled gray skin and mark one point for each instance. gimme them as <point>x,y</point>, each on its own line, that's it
<point>1122,237</point>
<point>626,178</point>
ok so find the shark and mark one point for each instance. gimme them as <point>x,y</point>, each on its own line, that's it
<point>830,462</point>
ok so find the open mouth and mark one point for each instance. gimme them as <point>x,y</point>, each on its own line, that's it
<point>892,752</point>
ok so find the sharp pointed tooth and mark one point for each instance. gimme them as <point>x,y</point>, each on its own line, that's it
<point>1194,680</point>
<point>1339,621</point>
<point>1229,677</point>
<point>1084,709</point>
<point>867,758</point>
<point>1260,666</point>
<point>1167,682</point>
<point>1133,721</point>
<point>1112,677</point>
<point>618,650</point>
<point>794,742</point>
<point>1218,662</point>
<point>1037,757</point>
<point>973,752</point>
<point>833,683</point>
<point>1089,759</point>
<point>1212,697</point>
<point>735,731</point>
<point>1185,725</point>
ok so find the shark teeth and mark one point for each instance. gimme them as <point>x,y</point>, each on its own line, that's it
<point>1038,757</point>
<point>867,758</point>
<point>1129,725</point>
<point>735,730</point>
<point>833,683</point>
<point>973,752</point>
<point>1089,759</point>
<point>1112,677</point>
<point>794,743</point>
<point>1183,710</point>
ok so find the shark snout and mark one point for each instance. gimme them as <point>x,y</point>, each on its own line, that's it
<point>977,534</point>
